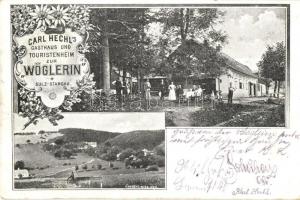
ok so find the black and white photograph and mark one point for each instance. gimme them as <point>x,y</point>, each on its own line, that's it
<point>125,150</point>
<point>201,65</point>
<point>149,99</point>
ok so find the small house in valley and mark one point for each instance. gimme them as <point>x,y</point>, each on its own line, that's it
<point>21,173</point>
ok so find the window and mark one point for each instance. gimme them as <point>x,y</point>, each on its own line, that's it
<point>241,85</point>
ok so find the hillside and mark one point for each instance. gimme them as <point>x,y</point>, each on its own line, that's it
<point>87,135</point>
<point>139,139</point>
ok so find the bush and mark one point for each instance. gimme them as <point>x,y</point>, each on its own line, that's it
<point>99,166</point>
<point>59,142</point>
<point>140,154</point>
<point>20,164</point>
<point>160,160</point>
<point>84,167</point>
<point>157,160</point>
<point>63,154</point>
<point>126,153</point>
<point>160,150</point>
<point>115,150</point>
<point>58,154</point>
<point>101,150</point>
<point>67,154</point>
<point>90,151</point>
<point>109,156</point>
<point>76,167</point>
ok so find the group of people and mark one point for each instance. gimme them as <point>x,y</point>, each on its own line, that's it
<point>122,89</point>
<point>172,91</point>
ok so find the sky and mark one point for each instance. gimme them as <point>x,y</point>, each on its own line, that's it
<point>113,122</point>
<point>250,30</point>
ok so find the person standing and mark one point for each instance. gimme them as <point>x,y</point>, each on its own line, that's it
<point>199,96</point>
<point>213,99</point>
<point>125,91</point>
<point>162,89</point>
<point>172,94</point>
<point>128,86</point>
<point>147,87</point>
<point>179,91</point>
<point>230,93</point>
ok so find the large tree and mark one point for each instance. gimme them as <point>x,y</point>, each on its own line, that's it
<point>118,36</point>
<point>272,65</point>
<point>180,26</point>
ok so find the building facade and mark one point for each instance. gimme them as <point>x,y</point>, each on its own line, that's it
<point>239,76</point>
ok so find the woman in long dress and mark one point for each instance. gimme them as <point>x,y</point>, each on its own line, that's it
<point>172,94</point>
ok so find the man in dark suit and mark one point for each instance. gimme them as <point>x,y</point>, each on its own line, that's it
<point>162,89</point>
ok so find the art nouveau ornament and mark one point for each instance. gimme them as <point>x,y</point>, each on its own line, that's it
<point>50,63</point>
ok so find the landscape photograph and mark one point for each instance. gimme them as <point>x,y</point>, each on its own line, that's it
<point>125,153</point>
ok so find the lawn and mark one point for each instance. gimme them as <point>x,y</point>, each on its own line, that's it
<point>44,163</point>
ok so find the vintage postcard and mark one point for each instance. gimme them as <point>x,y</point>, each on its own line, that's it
<point>150,100</point>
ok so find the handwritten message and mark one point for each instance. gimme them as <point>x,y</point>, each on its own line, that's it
<point>248,162</point>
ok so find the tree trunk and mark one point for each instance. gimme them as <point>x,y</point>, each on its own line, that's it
<point>139,80</point>
<point>106,66</point>
<point>275,88</point>
<point>278,86</point>
<point>105,56</point>
<point>124,75</point>
<point>186,82</point>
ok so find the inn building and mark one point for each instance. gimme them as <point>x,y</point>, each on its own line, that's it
<point>240,76</point>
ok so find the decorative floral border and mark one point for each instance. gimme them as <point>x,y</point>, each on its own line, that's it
<point>25,19</point>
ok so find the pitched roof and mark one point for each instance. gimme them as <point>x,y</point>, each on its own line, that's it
<point>235,65</point>
<point>230,62</point>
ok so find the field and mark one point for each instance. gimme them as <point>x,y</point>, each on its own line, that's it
<point>43,163</point>
<point>137,180</point>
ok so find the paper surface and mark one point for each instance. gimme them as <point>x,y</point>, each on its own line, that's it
<point>178,149</point>
<point>237,163</point>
